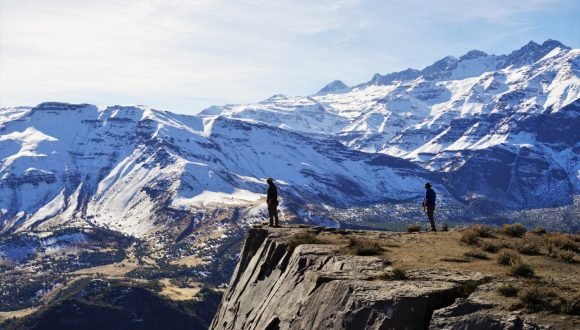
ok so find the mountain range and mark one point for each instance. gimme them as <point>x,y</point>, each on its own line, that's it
<point>162,199</point>
<point>494,132</point>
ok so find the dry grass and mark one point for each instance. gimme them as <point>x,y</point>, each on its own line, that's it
<point>508,258</point>
<point>562,242</point>
<point>455,259</point>
<point>444,250</point>
<point>470,237</point>
<point>530,245</point>
<point>521,269</point>
<point>175,292</point>
<point>490,247</point>
<point>507,290</point>
<point>572,305</point>
<point>563,255</point>
<point>540,231</point>
<point>505,244</point>
<point>17,313</point>
<point>304,238</point>
<point>484,231</point>
<point>189,261</point>
<point>536,298</point>
<point>472,234</point>
<point>364,246</point>
<point>514,230</point>
<point>567,256</point>
<point>477,254</point>
<point>468,287</point>
<point>562,247</point>
<point>414,228</point>
<point>397,274</point>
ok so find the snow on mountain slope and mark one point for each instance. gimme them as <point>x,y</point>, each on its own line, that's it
<point>301,114</point>
<point>458,117</point>
<point>128,168</point>
<point>493,131</point>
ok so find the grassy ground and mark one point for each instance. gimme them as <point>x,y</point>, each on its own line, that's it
<point>550,293</point>
<point>19,313</point>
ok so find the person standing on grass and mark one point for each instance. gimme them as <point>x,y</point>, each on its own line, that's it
<point>272,200</point>
<point>429,204</point>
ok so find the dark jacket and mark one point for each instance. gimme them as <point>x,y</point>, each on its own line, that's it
<point>272,197</point>
<point>430,197</point>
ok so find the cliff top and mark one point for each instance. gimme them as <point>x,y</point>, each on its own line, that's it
<point>335,278</point>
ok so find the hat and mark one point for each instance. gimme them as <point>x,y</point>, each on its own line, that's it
<point>427,185</point>
<point>270,180</point>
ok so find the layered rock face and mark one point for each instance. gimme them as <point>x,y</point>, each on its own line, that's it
<point>315,286</point>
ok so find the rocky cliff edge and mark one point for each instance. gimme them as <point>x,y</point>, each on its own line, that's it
<point>319,278</point>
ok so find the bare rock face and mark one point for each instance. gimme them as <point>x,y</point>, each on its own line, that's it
<point>471,314</point>
<point>313,286</point>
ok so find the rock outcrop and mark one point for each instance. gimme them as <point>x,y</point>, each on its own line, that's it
<point>277,285</point>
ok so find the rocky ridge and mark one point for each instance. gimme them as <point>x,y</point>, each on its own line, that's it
<point>319,286</point>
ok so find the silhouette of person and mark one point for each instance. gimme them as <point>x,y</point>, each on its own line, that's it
<point>272,200</point>
<point>429,204</point>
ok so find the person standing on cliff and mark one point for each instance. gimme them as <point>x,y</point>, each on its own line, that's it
<point>272,200</point>
<point>429,204</point>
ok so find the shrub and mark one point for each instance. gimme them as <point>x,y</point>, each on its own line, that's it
<point>468,287</point>
<point>539,231</point>
<point>508,258</point>
<point>414,228</point>
<point>483,230</point>
<point>567,256</point>
<point>561,241</point>
<point>476,253</point>
<point>521,269</point>
<point>572,306</point>
<point>490,247</point>
<point>515,230</point>
<point>397,274</point>
<point>303,238</point>
<point>507,290</point>
<point>529,246</point>
<point>506,244</point>
<point>535,299</point>
<point>445,227</point>
<point>364,246</point>
<point>470,237</point>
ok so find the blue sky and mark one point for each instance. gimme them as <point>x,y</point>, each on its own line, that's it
<point>186,55</point>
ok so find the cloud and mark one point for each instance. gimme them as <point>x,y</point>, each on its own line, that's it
<point>200,52</point>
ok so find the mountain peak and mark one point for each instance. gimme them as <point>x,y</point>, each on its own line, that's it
<point>531,44</point>
<point>441,68</point>
<point>334,86</point>
<point>532,52</point>
<point>60,106</point>
<point>551,44</point>
<point>408,74</point>
<point>275,97</point>
<point>472,54</point>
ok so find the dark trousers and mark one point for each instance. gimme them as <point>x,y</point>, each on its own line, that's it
<point>273,213</point>
<point>430,214</point>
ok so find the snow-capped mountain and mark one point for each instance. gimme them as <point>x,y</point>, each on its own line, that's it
<point>162,199</point>
<point>132,168</point>
<point>500,129</point>
<point>133,192</point>
<point>492,131</point>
